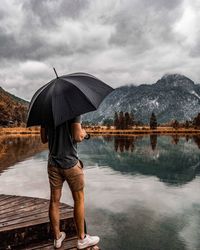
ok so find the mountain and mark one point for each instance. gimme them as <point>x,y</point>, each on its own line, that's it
<point>13,110</point>
<point>174,96</point>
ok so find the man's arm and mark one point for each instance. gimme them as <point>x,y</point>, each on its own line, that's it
<point>43,135</point>
<point>78,133</point>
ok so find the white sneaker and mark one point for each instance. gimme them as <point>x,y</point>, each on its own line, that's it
<point>58,243</point>
<point>88,241</point>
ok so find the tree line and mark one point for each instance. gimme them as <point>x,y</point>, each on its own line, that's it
<point>123,120</point>
<point>126,120</point>
<point>194,123</point>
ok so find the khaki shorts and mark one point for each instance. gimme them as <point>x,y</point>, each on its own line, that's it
<point>74,176</point>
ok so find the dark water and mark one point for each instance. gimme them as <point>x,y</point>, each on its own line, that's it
<point>141,192</point>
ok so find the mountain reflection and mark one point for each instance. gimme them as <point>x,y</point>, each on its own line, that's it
<point>17,148</point>
<point>175,160</point>
<point>122,144</point>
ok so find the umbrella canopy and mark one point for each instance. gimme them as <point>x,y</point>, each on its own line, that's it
<point>65,97</point>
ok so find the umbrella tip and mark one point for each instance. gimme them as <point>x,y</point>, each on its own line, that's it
<point>55,72</point>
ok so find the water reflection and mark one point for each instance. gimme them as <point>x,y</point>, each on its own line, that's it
<point>153,141</point>
<point>175,164</point>
<point>147,198</point>
<point>122,144</point>
<point>125,143</point>
<point>17,148</point>
<point>197,140</point>
<point>170,158</point>
<point>175,139</point>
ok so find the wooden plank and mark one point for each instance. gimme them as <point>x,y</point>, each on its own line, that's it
<point>42,211</point>
<point>26,211</point>
<point>26,206</point>
<point>32,222</point>
<point>29,216</point>
<point>69,243</point>
<point>23,213</point>
<point>15,204</point>
<point>25,220</point>
<point>15,201</point>
<point>21,209</point>
<point>8,200</point>
<point>17,197</point>
<point>21,237</point>
<point>3,197</point>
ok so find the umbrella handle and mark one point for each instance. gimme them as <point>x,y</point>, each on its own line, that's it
<point>87,137</point>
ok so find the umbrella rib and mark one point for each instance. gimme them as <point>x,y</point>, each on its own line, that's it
<point>81,92</point>
<point>36,96</point>
<point>52,106</point>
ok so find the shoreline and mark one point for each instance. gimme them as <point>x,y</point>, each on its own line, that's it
<point>106,132</point>
<point>19,130</point>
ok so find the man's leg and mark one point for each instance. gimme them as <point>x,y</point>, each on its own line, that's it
<point>54,213</point>
<point>75,179</point>
<point>79,212</point>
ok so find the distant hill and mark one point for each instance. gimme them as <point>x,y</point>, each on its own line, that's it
<point>13,110</point>
<point>174,96</point>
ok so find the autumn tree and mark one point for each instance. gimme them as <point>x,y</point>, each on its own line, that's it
<point>4,114</point>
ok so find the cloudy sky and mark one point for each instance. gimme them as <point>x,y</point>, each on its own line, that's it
<point>119,41</point>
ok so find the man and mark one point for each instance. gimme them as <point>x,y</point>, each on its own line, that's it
<point>64,164</point>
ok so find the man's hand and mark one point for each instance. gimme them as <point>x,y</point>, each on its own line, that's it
<point>78,133</point>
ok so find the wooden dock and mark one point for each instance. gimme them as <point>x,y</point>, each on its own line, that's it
<point>24,224</point>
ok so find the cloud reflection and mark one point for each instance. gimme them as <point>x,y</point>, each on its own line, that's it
<point>127,210</point>
<point>110,195</point>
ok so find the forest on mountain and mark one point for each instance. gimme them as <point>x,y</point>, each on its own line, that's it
<point>13,110</point>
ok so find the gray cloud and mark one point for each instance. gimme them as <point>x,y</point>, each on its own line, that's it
<point>119,41</point>
<point>49,11</point>
<point>146,23</point>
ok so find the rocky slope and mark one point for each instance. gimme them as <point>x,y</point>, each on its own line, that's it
<point>13,110</point>
<point>172,97</point>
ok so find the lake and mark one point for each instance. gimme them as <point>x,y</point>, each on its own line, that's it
<point>142,192</point>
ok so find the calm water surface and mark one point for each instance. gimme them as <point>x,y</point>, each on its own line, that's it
<point>142,193</point>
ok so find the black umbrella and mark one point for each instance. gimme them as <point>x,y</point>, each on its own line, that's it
<point>66,97</point>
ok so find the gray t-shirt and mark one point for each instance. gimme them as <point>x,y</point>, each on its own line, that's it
<point>62,147</point>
